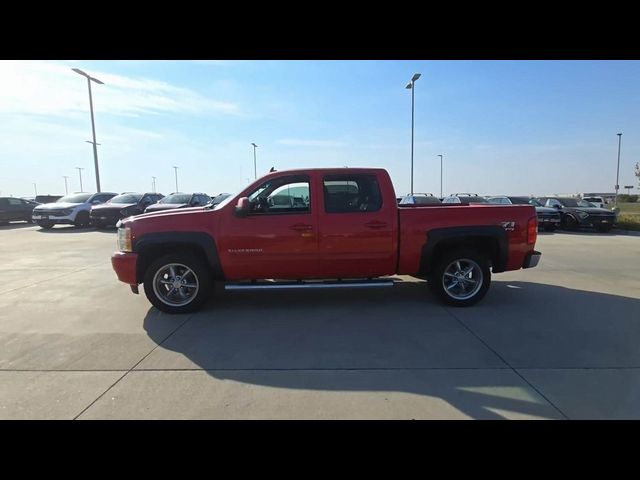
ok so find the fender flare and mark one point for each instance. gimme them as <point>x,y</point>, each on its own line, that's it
<point>438,236</point>
<point>201,240</point>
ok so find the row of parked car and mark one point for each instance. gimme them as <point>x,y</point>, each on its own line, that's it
<point>553,212</point>
<point>101,209</point>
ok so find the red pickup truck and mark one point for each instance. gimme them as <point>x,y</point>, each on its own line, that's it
<point>322,228</point>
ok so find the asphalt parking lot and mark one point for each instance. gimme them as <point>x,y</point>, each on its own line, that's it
<point>558,341</point>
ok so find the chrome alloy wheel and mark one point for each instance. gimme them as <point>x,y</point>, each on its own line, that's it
<point>462,279</point>
<point>175,284</point>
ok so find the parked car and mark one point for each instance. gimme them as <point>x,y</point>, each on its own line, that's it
<point>47,198</point>
<point>121,206</point>
<point>69,210</point>
<point>579,213</point>
<point>220,198</point>
<point>321,228</point>
<point>548,218</point>
<point>596,201</point>
<point>179,200</point>
<point>419,199</point>
<point>464,198</point>
<point>15,209</point>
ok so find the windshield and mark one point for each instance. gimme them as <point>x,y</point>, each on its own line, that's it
<point>535,203</point>
<point>127,198</point>
<point>519,200</point>
<point>77,198</point>
<point>176,198</point>
<point>574,202</point>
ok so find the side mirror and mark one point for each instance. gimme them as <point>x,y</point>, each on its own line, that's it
<point>242,207</point>
<point>559,207</point>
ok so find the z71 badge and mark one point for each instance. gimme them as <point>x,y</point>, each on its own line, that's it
<point>508,226</point>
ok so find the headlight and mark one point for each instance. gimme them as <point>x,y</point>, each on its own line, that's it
<point>582,215</point>
<point>124,240</point>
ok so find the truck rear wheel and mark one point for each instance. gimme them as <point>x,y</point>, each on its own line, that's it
<point>461,278</point>
<point>177,283</point>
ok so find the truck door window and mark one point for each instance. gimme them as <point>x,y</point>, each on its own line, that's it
<point>281,195</point>
<point>351,193</point>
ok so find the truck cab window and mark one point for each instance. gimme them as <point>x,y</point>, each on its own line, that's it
<point>351,193</point>
<point>281,195</point>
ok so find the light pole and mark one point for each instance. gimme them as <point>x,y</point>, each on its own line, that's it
<point>93,125</point>
<point>153,184</point>
<point>35,189</point>
<point>440,175</point>
<point>255,170</point>
<point>66,189</point>
<point>80,173</point>
<point>618,169</point>
<point>176,171</point>
<point>411,86</point>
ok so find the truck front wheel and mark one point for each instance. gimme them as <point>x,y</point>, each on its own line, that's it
<point>461,278</point>
<point>177,283</point>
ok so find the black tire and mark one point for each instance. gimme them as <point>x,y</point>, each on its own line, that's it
<point>46,225</point>
<point>82,220</point>
<point>570,222</point>
<point>195,297</point>
<point>437,278</point>
<point>550,228</point>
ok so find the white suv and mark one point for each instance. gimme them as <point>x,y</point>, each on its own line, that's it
<point>597,201</point>
<point>71,209</point>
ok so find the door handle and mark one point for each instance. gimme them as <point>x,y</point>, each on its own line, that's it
<point>301,227</point>
<point>375,224</point>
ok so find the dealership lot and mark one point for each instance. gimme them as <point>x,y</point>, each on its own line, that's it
<point>557,341</point>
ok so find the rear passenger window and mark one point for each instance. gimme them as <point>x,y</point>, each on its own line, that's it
<point>351,193</point>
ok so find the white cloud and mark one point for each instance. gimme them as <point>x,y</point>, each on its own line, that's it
<point>311,143</point>
<point>48,88</point>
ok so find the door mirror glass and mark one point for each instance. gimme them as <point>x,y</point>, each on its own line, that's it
<point>242,207</point>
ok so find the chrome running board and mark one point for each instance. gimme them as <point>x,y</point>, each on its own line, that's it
<point>295,285</point>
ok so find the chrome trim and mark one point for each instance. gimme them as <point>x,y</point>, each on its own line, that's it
<point>292,286</point>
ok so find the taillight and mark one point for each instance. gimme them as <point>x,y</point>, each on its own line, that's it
<point>532,230</point>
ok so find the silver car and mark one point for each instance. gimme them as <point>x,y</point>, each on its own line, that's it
<point>70,209</point>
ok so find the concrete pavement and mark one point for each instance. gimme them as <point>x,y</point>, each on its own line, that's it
<point>557,341</point>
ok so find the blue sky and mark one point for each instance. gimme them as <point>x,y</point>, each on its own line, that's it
<point>514,127</point>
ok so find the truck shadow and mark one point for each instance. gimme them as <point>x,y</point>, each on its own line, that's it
<point>399,340</point>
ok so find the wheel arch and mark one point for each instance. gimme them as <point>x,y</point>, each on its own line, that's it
<point>490,240</point>
<point>153,245</point>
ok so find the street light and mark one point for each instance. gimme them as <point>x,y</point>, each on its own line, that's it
<point>411,86</point>
<point>93,125</point>
<point>440,175</point>
<point>80,173</point>
<point>176,171</point>
<point>35,189</point>
<point>153,184</point>
<point>255,170</point>
<point>618,170</point>
<point>66,189</point>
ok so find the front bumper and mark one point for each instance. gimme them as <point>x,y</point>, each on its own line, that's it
<point>532,259</point>
<point>44,217</point>
<point>125,265</point>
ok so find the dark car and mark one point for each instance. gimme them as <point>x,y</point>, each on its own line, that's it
<point>548,218</point>
<point>180,200</point>
<point>578,213</point>
<point>121,206</point>
<point>16,209</point>
<point>219,198</point>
